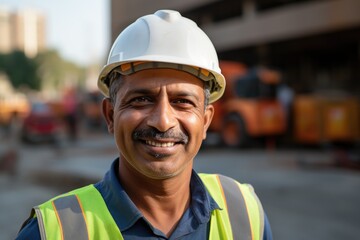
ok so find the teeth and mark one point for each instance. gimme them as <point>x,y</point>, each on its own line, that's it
<point>158,144</point>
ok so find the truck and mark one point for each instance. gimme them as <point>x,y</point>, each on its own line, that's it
<point>327,117</point>
<point>249,109</point>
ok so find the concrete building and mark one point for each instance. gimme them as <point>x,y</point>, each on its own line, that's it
<point>22,30</point>
<point>315,43</point>
<point>5,30</point>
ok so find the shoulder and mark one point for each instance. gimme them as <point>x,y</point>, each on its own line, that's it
<point>267,229</point>
<point>30,230</point>
<point>224,182</point>
<point>226,190</point>
<point>240,200</point>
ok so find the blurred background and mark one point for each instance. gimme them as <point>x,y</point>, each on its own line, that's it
<point>288,123</point>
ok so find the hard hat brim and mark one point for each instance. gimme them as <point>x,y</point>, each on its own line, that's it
<point>214,95</point>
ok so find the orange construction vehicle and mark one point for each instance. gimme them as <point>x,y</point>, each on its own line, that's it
<point>327,117</point>
<point>13,104</point>
<point>249,108</point>
<point>12,107</point>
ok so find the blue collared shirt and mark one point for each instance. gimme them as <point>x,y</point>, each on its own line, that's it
<point>194,224</point>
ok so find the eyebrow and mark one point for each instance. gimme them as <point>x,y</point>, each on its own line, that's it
<point>146,91</point>
<point>138,91</point>
<point>188,94</point>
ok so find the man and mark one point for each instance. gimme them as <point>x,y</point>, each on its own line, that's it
<point>161,76</point>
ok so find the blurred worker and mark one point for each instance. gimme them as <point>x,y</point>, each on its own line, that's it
<point>161,76</point>
<point>70,106</point>
<point>9,158</point>
<point>285,95</point>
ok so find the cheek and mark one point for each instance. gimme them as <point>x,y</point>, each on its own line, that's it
<point>194,124</point>
<point>126,122</point>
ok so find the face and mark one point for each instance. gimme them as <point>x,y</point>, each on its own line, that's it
<point>158,121</point>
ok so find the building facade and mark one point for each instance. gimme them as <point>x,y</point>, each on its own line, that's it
<point>22,30</point>
<point>314,43</point>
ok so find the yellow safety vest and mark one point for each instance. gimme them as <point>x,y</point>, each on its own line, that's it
<point>83,214</point>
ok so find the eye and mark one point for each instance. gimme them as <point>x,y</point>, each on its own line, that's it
<point>141,101</point>
<point>183,102</point>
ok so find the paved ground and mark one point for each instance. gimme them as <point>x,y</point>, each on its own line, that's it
<point>305,197</point>
<point>302,201</point>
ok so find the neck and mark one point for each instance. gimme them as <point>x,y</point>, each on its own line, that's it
<point>161,201</point>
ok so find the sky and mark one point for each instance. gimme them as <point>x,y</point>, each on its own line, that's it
<point>78,29</point>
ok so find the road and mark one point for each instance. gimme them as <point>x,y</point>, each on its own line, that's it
<point>303,194</point>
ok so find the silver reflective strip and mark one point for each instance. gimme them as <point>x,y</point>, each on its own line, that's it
<point>71,217</point>
<point>40,223</point>
<point>238,215</point>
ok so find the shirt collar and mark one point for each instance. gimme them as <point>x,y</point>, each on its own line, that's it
<point>202,203</point>
<point>125,213</point>
<point>123,210</point>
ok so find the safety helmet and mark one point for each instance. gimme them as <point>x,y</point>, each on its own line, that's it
<point>164,39</point>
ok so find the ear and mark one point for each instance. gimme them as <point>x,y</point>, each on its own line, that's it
<point>108,112</point>
<point>209,113</point>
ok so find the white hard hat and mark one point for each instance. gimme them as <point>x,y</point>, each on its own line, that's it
<point>165,39</point>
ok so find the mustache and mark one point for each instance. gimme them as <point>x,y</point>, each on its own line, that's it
<point>152,133</point>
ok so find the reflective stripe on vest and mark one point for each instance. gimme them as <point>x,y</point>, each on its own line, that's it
<point>236,207</point>
<point>94,212</point>
<point>84,214</point>
<point>71,218</point>
<point>243,217</point>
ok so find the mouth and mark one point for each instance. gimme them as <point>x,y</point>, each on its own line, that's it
<point>159,144</point>
<point>160,149</point>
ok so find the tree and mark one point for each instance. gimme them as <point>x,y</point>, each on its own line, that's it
<point>21,70</point>
<point>56,72</point>
<point>48,71</point>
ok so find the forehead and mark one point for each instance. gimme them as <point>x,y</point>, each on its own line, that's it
<point>156,78</point>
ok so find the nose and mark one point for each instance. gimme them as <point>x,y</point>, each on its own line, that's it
<point>162,116</point>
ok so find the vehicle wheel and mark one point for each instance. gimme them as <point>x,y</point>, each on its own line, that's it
<point>234,132</point>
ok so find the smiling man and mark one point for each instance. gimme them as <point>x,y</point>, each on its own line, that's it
<point>160,80</point>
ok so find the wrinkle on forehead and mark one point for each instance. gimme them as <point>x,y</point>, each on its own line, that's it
<point>157,80</point>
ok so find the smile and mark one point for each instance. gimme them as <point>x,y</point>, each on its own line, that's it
<point>160,144</point>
